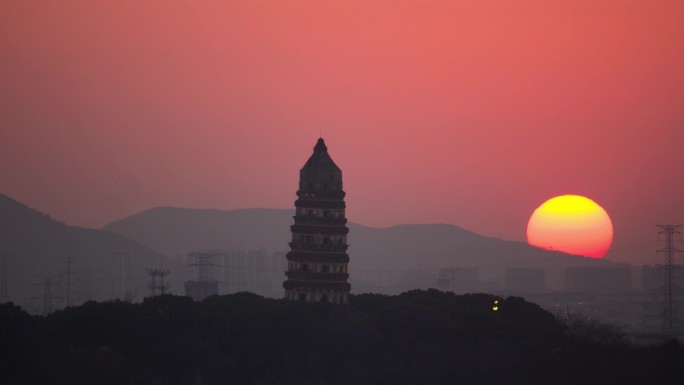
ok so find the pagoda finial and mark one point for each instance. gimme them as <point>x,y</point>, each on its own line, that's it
<point>320,146</point>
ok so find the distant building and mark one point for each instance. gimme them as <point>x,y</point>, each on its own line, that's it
<point>236,275</point>
<point>598,279</point>
<point>653,277</point>
<point>317,261</point>
<point>525,279</point>
<point>255,271</point>
<point>199,290</point>
<point>459,279</point>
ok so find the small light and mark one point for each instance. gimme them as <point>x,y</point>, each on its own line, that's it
<point>495,308</point>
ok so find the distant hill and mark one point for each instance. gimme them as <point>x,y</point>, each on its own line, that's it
<point>37,245</point>
<point>387,260</point>
<point>175,231</point>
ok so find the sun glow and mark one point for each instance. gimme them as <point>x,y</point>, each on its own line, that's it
<point>572,224</point>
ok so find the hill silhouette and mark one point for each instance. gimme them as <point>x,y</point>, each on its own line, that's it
<point>418,337</point>
<point>37,246</point>
<point>389,260</point>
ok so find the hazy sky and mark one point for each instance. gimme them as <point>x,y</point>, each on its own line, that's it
<point>464,112</point>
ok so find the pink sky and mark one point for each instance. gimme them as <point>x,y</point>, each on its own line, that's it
<point>464,112</point>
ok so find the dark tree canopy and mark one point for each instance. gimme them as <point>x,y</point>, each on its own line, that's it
<point>418,337</point>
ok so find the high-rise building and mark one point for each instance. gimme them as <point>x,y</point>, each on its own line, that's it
<point>317,261</point>
<point>598,279</point>
<point>525,279</point>
<point>459,279</point>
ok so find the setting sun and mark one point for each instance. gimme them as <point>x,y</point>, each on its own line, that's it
<point>572,224</point>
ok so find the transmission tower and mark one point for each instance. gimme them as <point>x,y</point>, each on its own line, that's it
<point>203,263</point>
<point>125,277</point>
<point>670,287</point>
<point>4,297</point>
<point>87,283</point>
<point>203,286</point>
<point>152,285</point>
<point>47,296</point>
<point>160,285</point>
<point>68,280</point>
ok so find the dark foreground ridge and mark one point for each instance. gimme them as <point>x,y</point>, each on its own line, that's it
<point>419,337</point>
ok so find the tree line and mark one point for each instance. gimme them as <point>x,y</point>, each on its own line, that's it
<point>418,337</point>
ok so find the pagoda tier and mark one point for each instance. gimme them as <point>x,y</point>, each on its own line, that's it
<point>317,261</point>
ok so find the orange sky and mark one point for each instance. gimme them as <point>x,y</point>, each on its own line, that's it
<point>464,112</point>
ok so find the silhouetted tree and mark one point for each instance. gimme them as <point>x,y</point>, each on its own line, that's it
<point>418,337</point>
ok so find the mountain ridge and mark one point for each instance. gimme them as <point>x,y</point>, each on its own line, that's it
<point>383,259</point>
<point>405,247</point>
<point>38,247</point>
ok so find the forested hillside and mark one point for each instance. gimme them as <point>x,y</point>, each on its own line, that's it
<point>419,337</point>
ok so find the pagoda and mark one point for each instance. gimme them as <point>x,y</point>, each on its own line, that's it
<point>317,261</point>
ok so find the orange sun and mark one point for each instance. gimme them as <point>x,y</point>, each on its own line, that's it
<point>572,224</point>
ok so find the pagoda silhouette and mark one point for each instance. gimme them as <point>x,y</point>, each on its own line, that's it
<point>317,261</point>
